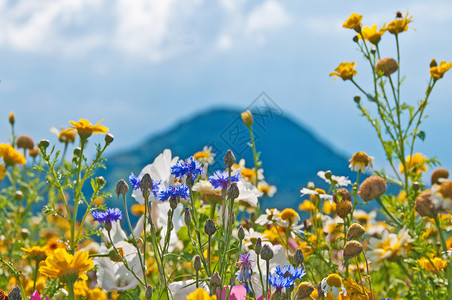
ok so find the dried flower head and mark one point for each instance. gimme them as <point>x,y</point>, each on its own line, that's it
<point>424,204</point>
<point>439,174</point>
<point>305,289</point>
<point>352,249</point>
<point>372,187</point>
<point>355,231</point>
<point>25,142</point>
<point>386,66</point>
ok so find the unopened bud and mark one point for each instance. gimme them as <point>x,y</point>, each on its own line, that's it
<point>109,138</point>
<point>210,228</point>
<point>298,257</point>
<point>43,144</point>
<point>355,231</point>
<point>173,202</point>
<point>352,249</point>
<point>311,185</point>
<point>328,175</point>
<point>189,181</point>
<point>416,186</point>
<point>355,38</point>
<point>215,280</point>
<point>233,191</point>
<point>18,196</point>
<point>146,182</point>
<point>114,256</point>
<point>121,187</point>
<point>100,180</point>
<point>148,294</point>
<point>438,174</point>
<point>386,66</point>
<point>305,289</point>
<point>11,118</point>
<point>24,233</point>
<point>266,253</point>
<point>247,118</point>
<point>187,216</point>
<point>372,187</point>
<point>197,263</point>
<point>357,99</point>
<point>77,151</point>
<point>241,233</point>
<point>108,225</point>
<point>229,159</point>
<point>258,246</point>
<point>433,63</point>
<point>33,152</point>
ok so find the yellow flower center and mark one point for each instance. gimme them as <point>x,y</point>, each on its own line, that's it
<point>360,158</point>
<point>201,154</point>
<point>248,174</point>
<point>289,215</point>
<point>334,280</point>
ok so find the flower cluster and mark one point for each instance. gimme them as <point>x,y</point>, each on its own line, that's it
<point>190,168</point>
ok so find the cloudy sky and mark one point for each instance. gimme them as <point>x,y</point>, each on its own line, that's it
<point>144,65</point>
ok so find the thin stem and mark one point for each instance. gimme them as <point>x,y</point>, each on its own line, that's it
<point>35,275</point>
<point>368,276</point>
<point>359,275</point>
<point>388,212</point>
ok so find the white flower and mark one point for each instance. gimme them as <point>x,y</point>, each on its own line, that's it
<point>269,216</point>
<point>336,290</point>
<point>390,245</point>
<point>205,157</point>
<point>114,276</point>
<point>251,237</point>
<point>181,289</point>
<point>338,180</point>
<point>266,189</point>
<point>160,169</point>
<point>306,191</point>
<point>205,187</point>
<point>248,193</point>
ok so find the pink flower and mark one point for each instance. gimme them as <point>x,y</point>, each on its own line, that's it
<point>238,293</point>
<point>35,296</point>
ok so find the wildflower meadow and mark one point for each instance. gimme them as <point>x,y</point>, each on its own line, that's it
<point>189,231</point>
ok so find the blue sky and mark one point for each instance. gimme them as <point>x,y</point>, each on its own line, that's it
<point>144,65</point>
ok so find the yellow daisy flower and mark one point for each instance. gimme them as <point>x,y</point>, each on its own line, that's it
<point>85,129</point>
<point>371,34</point>
<point>437,72</point>
<point>353,22</point>
<point>399,25</point>
<point>11,156</point>
<point>415,163</point>
<point>36,252</point>
<point>201,294</point>
<point>437,262</point>
<point>345,71</point>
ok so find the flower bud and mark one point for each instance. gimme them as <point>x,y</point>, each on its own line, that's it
<point>18,196</point>
<point>189,181</point>
<point>233,191</point>
<point>100,180</point>
<point>114,256</point>
<point>25,142</point>
<point>43,144</point>
<point>433,63</point>
<point>210,228</point>
<point>266,253</point>
<point>352,249</point>
<point>372,187</point>
<point>215,280</point>
<point>305,289</point>
<point>24,233</point>
<point>328,175</point>
<point>108,225</point>
<point>424,204</point>
<point>344,194</point>
<point>355,38</point>
<point>33,152</point>
<point>247,118</point>
<point>386,66</point>
<point>11,118</point>
<point>298,257</point>
<point>187,216</point>
<point>438,174</point>
<point>197,263</point>
<point>229,159</point>
<point>109,138</point>
<point>355,231</point>
<point>258,246</point>
<point>121,187</point>
<point>173,202</point>
<point>77,151</point>
<point>148,294</point>
<point>357,99</point>
<point>241,233</point>
<point>146,182</point>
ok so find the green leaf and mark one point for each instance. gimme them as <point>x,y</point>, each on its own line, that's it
<point>133,294</point>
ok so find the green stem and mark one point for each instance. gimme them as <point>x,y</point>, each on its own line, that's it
<point>256,163</point>
<point>77,195</point>
<point>268,272</point>
<point>35,275</point>
<point>70,288</point>
<point>388,212</point>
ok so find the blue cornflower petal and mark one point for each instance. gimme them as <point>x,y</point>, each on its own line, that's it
<point>189,168</point>
<point>111,215</point>
<point>295,273</point>
<point>177,191</point>
<point>220,179</point>
<point>134,181</point>
<point>280,282</point>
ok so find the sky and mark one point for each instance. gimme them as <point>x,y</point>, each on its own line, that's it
<point>145,65</point>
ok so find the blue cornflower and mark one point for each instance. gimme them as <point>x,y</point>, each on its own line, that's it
<point>177,191</point>
<point>220,179</point>
<point>295,273</point>
<point>190,168</point>
<point>280,282</point>
<point>134,181</point>
<point>244,274</point>
<point>111,215</point>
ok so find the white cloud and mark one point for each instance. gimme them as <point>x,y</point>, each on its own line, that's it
<point>267,17</point>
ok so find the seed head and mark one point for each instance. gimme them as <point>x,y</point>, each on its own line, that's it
<point>305,289</point>
<point>352,249</point>
<point>424,204</point>
<point>372,187</point>
<point>355,231</point>
<point>438,174</point>
<point>25,142</point>
<point>386,66</point>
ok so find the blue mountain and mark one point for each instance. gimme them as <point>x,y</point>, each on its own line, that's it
<point>291,155</point>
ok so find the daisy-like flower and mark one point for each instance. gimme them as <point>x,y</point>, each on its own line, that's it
<point>205,157</point>
<point>438,263</point>
<point>317,192</point>
<point>353,22</point>
<point>251,237</point>
<point>244,263</point>
<point>415,163</point>
<point>333,283</point>
<point>437,72</point>
<point>345,71</point>
<point>36,253</point>
<point>66,267</point>
<point>270,216</point>
<point>177,191</point>
<point>400,24</point>
<point>371,34</point>
<point>442,196</point>
<point>363,217</point>
<point>266,189</point>
<point>389,247</point>
<point>201,294</point>
<point>136,181</point>
<point>85,129</point>
<point>333,179</point>
<point>247,173</point>
<point>360,161</point>
<point>10,156</point>
<point>220,179</point>
<point>307,205</point>
<point>111,215</point>
<point>65,135</point>
<point>187,168</point>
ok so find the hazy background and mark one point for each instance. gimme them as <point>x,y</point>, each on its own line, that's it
<point>144,65</point>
